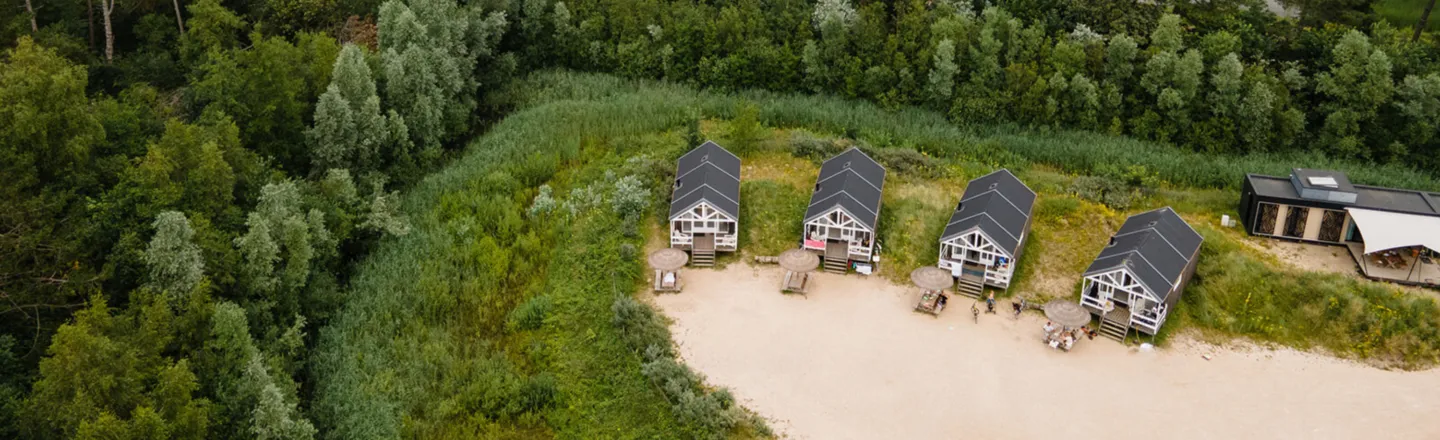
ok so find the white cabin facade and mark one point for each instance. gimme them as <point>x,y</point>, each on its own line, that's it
<point>844,210</point>
<point>1139,276</point>
<point>986,234</point>
<point>705,205</point>
<point>839,226</point>
<point>975,254</point>
<point>703,219</point>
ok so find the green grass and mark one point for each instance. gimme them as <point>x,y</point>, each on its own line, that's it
<point>421,348</point>
<point>1405,13</point>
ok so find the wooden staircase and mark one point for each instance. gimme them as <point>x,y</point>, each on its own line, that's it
<point>970,286</point>
<point>1116,324</point>
<point>837,257</point>
<point>702,253</point>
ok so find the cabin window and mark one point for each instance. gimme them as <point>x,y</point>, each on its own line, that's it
<point>1295,222</point>
<point>684,226</point>
<point>1331,225</point>
<point>1265,219</point>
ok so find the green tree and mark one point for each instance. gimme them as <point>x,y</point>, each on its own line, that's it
<point>1255,117</point>
<point>47,132</point>
<point>1168,35</point>
<point>106,376</point>
<point>176,266</point>
<point>430,52</point>
<point>828,62</point>
<point>349,130</point>
<point>1083,104</point>
<point>1358,83</point>
<point>1226,86</point>
<point>222,363</point>
<point>271,86</point>
<point>941,86</point>
<point>1419,103</point>
<point>275,417</point>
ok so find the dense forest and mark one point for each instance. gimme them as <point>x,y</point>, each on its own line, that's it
<point>189,187</point>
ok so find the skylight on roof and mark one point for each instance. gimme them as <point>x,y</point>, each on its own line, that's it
<point>1324,181</point>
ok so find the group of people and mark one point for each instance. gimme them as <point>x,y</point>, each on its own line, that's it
<point>1061,338</point>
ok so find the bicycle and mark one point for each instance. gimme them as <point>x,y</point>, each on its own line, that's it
<point>975,312</point>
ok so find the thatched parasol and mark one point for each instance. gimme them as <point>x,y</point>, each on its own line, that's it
<point>1066,313</point>
<point>932,278</point>
<point>799,260</point>
<point>668,259</point>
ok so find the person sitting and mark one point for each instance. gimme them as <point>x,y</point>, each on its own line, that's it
<point>1016,307</point>
<point>1068,342</point>
<point>940,303</point>
<point>1088,332</point>
<point>1049,327</point>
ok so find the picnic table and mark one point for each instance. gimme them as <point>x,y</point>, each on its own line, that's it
<point>931,302</point>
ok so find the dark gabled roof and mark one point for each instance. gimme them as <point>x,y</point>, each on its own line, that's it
<point>1367,197</point>
<point>850,180</point>
<point>1156,246</point>
<point>708,174</point>
<point>998,204</point>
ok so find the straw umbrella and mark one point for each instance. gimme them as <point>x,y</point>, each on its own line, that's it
<point>1066,313</point>
<point>667,261</point>
<point>932,282</point>
<point>797,264</point>
<point>931,278</point>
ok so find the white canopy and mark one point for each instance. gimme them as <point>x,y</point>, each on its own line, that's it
<point>1390,230</point>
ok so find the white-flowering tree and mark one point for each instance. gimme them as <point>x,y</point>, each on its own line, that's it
<point>430,50</point>
<point>176,265</point>
<point>350,131</point>
<point>942,77</point>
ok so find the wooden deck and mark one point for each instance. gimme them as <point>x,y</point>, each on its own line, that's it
<point>837,257</point>
<point>704,242</point>
<point>1413,271</point>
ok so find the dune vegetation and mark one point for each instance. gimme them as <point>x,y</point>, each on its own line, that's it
<point>449,332</point>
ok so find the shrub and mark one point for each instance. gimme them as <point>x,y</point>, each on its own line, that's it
<point>631,197</point>
<point>544,202</point>
<point>745,130</point>
<point>803,144</point>
<point>1103,190</point>
<point>639,326</point>
<point>529,315</point>
<point>907,161</point>
<point>538,393</point>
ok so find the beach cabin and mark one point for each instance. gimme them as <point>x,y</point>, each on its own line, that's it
<point>840,222</point>
<point>1141,272</point>
<point>1392,234</point>
<point>983,240</point>
<point>705,206</point>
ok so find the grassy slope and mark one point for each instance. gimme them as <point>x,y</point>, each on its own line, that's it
<point>1404,13</point>
<point>422,348</point>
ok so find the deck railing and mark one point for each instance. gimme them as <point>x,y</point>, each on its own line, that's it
<point>1139,319</point>
<point>681,239</point>
<point>1092,301</point>
<point>728,242</point>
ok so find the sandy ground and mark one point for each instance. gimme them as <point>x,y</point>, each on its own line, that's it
<point>1314,257</point>
<point>852,361</point>
<point>1322,258</point>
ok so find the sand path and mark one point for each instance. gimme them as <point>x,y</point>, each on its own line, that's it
<point>853,361</point>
